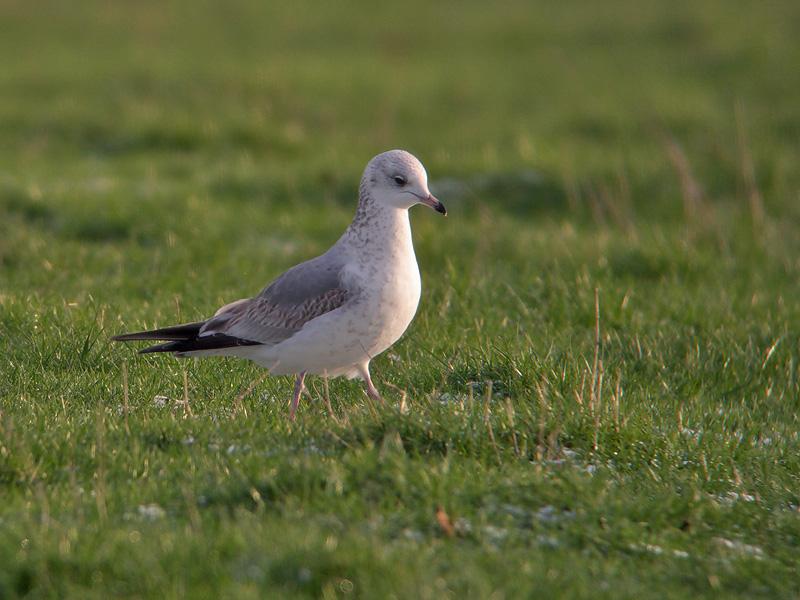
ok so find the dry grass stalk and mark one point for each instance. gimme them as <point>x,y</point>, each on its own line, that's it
<point>471,396</point>
<point>579,394</point>
<point>44,505</point>
<point>615,399</point>
<point>327,397</point>
<point>191,508</point>
<point>125,395</point>
<point>596,412</point>
<point>691,192</point>
<point>618,203</point>
<point>540,441</point>
<point>100,473</point>
<point>596,360</point>
<point>704,464</point>
<point>445,304</point>
<point>403,397</point>
<point>510,413</point>
<point>187,409</point>
<point>737,478</point>
<point>597,370</point>
<point>488,422</point>
<point>748,171</point>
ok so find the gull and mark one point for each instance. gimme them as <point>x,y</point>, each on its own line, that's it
<point>334,313</point>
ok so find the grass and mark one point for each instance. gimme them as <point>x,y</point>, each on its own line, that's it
<point>598,397</point>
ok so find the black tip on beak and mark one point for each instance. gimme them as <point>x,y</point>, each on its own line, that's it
<point>435,204</point>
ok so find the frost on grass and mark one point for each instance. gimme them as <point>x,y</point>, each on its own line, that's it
<point>151,512</point>
<point>525,521</point>
<point>462,526</point>
<point>546,514</point>
<point>551,514</point>
<point>732,498</point>
<point>548,541</point>
<point>694,434</point>
<point>740,548</point>
<point>656,550</point>
<point>566,457</point>
<point>270,398</point>
<point>495,535</point>
<point>413,535</point>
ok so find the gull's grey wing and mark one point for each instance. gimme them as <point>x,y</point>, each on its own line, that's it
<point>301,294</point>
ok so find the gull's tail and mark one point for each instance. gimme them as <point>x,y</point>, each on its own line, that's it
<point>183,338</point>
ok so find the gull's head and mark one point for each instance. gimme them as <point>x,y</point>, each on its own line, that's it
<point>396,178</point>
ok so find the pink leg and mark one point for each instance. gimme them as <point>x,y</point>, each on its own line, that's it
<point>372,391</point>
<point>299,387</point>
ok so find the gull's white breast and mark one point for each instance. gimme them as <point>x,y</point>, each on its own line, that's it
<point>387,284</point>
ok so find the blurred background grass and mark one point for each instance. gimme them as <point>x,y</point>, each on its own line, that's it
<point>554,85</point>
<point>545,110</point>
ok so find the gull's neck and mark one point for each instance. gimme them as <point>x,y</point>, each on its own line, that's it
<point>378,227</point>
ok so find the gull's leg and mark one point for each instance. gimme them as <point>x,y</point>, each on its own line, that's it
<point>372,391</point>
<point>298,391</point>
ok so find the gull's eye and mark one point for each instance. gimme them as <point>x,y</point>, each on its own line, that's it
<point>400,180</point>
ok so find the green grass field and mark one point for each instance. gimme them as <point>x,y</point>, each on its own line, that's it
<point>160,159</point>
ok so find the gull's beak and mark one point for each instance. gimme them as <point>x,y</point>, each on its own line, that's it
<point>430,200</point>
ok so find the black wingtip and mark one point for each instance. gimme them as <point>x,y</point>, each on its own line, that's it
<point>167,347</point>
<point>211,342</point>
<point>187,331</point>
<point>182,338</point>
<point>123,337</point>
